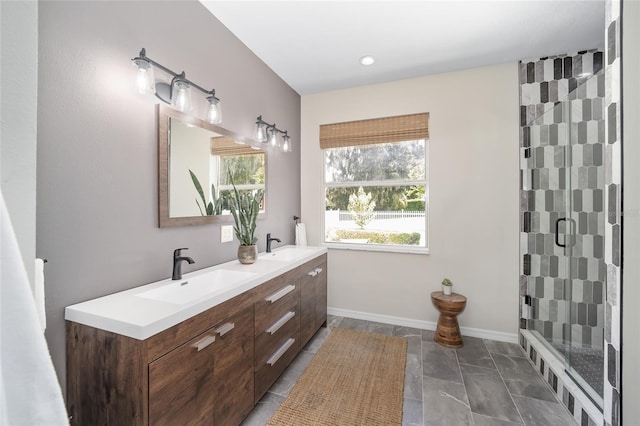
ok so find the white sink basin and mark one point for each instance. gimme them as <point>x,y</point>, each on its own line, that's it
<point>287,254</point>
<point>185,291</point>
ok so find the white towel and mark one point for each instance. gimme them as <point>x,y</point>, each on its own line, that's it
<point>301,235</point>
<point>38,293</point>
<point>29,390</point>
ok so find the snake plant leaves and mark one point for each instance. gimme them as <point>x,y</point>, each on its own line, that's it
<point>244,209</point>
<point>213,207</point>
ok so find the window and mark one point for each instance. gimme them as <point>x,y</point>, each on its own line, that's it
<point>375,179</point>
<point>246,164</point>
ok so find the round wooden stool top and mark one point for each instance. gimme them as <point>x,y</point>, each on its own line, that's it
<point>448,331</point>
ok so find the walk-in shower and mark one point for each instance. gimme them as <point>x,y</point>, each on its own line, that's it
<point>562,181</point>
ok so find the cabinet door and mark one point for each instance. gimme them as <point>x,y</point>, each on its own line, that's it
<point>321,296</point>
<point>181,385</point>
<point>233,368</point>
<point>307,307</point>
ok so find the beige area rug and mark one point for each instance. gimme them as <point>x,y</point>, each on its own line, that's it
<point>355,378</point>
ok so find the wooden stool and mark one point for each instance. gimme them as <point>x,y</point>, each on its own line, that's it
<point>448,331</point>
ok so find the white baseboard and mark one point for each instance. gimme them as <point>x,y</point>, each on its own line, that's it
<point>425,325</point>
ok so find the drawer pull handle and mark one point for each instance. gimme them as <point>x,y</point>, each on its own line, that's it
<point>278,354</point>
<point>225,328</point>
<point>281,293</point>
<point>312,273</point>
<point>204,342</point>
<point>282,321</point>
<point>318,270</point>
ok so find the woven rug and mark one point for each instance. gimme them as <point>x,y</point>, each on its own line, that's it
<point>355,378</point>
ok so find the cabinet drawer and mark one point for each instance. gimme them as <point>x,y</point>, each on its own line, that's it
<point>267,342</point>
<point>234,344</point>
<point>280,299</point>
<point>267,374</point>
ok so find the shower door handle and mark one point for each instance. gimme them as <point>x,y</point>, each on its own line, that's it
<point>572,229</point>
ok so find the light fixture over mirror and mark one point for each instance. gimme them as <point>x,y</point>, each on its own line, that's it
<point>269,134</point>
<point>178,91</point>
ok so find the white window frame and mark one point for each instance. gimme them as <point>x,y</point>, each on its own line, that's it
<point>378,247</point>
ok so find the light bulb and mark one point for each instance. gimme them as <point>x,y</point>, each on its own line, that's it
<point>273,140</point>
<point>142,81</point>
<point>286,143</point>
<point>144,76</point>
<point>181,97</point>
<point>260,133</point>
<point>214,114</point>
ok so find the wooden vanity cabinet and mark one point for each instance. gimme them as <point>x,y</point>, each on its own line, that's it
<point>207,370</point>
<point>166,379</point>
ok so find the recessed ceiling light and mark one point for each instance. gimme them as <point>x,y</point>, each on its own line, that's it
<point>367,60</point>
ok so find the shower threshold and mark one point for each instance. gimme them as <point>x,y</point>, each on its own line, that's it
<point>548,364</point>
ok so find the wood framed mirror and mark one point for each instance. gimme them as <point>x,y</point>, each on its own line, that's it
<point>193,153</point>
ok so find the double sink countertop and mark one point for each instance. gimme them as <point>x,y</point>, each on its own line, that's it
<point>149,309</point>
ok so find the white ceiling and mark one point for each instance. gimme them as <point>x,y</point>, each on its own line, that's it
<point>315,46</point>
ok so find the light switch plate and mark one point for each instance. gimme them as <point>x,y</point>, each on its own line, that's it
<point>226,233</point>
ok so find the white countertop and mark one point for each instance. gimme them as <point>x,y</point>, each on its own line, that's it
<point>130,314</point>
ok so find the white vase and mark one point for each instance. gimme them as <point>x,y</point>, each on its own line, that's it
<point>446,289</point>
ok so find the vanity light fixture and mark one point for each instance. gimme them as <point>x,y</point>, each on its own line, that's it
<point>269,134</point>
<point>176,93</point>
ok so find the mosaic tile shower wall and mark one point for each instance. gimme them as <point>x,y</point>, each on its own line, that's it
<point>557,92</point>
<point>613,225</point>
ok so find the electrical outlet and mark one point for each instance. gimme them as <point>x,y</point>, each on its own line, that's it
<point>226,233</point>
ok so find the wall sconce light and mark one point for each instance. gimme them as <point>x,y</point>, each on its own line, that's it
<point>176,93</point>
<point>269,134</point>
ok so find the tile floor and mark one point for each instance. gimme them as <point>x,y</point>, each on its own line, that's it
<point>484,383</point>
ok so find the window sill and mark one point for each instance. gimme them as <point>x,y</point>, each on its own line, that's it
<point>377,247</point>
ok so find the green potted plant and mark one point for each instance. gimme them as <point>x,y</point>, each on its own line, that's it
<point>447,286</point>
<point>244,208</point>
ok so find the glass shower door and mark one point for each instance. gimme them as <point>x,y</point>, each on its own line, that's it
<point>584,237</point>
<point>563,181</point>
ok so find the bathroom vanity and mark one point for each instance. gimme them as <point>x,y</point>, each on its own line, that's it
<point>201,350</point>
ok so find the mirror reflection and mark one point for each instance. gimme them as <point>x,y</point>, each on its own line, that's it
<point>200,162</point>
<point>195,160</point>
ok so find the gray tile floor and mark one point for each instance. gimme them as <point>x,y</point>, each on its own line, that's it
<point>484,383</point>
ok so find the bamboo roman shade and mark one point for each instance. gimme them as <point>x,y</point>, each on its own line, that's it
<point>375,131</point>
<point>222,145</point>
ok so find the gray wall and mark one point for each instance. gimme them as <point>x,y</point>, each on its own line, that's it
<point>97,156</point>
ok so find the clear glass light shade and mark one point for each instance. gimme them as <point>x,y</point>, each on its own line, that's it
<point>181,95</point>
<point>214,113</point>
<point>286,143</point>
<point>273,138</point>
<point>145,82</point>
<point>260,132</point>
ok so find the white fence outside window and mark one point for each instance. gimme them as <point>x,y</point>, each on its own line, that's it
<point>344,215</point>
